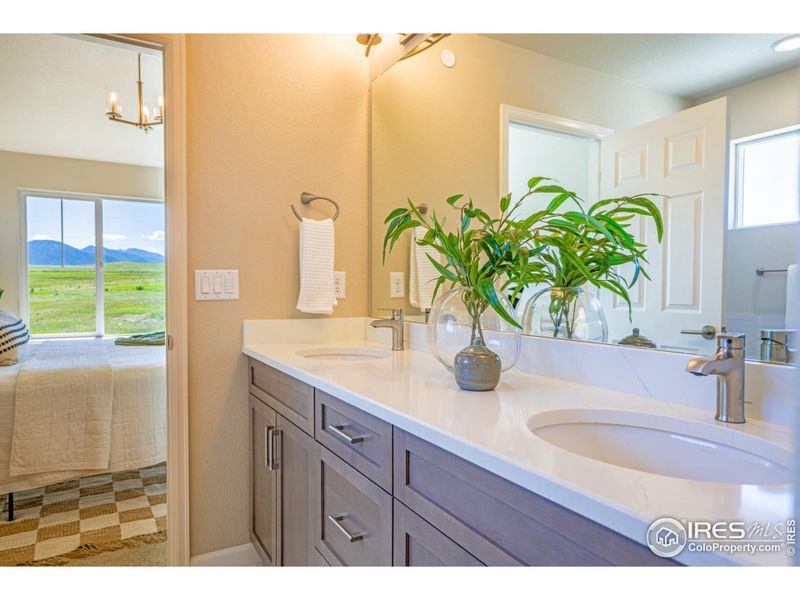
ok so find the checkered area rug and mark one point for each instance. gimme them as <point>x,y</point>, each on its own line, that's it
<point>81,517</point>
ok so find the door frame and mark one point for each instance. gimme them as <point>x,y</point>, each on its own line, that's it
<point>173,49</point>
<point>514,114</point>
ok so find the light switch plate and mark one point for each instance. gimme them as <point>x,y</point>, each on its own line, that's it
<point>216,285</point>
<point>338,283</point>
<point>397,285</point>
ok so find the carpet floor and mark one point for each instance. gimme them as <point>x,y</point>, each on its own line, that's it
<point>80,518</point>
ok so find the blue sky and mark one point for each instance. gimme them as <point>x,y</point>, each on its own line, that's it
<point>125,224</point>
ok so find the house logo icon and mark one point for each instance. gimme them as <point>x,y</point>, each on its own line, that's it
<point>666,537</point>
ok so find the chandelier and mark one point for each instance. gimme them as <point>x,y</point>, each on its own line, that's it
<point>143,121</point>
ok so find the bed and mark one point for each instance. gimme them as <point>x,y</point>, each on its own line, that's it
<point>138,421</point>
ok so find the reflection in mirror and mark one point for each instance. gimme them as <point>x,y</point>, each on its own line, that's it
<point>712,125</point>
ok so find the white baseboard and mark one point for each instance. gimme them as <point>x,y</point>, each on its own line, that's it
<point>235,556</point>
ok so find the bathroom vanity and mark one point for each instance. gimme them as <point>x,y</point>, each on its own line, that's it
<point>364,456</point>
<point>335,485</point>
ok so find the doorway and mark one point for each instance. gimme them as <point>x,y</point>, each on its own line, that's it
<point>107,251</point>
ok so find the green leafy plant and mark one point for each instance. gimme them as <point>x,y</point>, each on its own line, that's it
<point>487,255</point>
<point>590,247</point>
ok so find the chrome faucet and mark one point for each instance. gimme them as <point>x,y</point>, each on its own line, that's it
<point>397,325</point>
<point>728,365</point>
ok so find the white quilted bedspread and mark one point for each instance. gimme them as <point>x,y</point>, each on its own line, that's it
<point>62,410</point>
<point>138,413</point>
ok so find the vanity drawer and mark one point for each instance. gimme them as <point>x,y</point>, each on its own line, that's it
<point>497,521</point>
<point>417,543</point>
<point>353,516</point>
<point>319,560</point>
<point>285,394</point>
<point>362,440</point>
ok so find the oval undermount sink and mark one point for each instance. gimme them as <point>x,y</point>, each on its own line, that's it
<point>343,353</point>
<point>666,446</point>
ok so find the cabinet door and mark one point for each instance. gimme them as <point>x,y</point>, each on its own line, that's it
<point>352,515</point>
<point>264,510</point>
<point>417,543</point>
<point>295,459</point>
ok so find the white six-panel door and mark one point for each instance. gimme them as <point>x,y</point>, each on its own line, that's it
<point>684,157</point>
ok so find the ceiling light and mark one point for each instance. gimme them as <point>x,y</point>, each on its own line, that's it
<point>786,44</point>
<point>142,121</point>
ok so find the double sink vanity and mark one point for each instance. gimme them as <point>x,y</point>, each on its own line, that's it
<point>365,456</point>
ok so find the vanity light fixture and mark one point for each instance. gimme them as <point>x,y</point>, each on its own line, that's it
<point>143,122</point>
<point>786,44</point>
<point>418,42</point>
<point>369,40</point>
<point>430,40</point>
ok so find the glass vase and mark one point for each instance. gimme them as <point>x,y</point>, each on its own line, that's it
<point>451,329</point>
<point>569,313</point>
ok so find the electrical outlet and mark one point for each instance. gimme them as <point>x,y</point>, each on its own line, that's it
<point>338,283</point>
<point>397,286</point>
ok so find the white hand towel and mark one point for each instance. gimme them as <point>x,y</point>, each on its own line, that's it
<point>413,286</point>
<point>793,297</point>
<point>422,274</point>
<point>317,293</point>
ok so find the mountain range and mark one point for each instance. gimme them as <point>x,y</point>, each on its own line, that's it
<point>48,252</point>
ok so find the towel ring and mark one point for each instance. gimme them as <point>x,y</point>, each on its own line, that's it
<point>306,198</point>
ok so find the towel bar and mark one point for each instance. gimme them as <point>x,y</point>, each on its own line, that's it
<point>306,198</point>
<point>762,270</point>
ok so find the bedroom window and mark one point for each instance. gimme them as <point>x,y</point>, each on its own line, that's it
<point>75,286</point>
<point>766,179</point>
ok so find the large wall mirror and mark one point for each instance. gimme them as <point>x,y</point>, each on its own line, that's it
<point>711,122</point>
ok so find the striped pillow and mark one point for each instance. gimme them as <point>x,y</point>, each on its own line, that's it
<point>14,338</point>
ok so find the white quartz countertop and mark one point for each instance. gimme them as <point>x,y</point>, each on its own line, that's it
<point>413,391</point>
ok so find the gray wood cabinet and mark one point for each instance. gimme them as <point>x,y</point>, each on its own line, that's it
<point>281,476</point>
<point>285,394</point>
<point>497,521</point>
<point>296,455</point>
<point>319,560</point>
<point>352,516</point>
<point>332,485</point>
<point>264,531</point>
<point>361,440</point>
<point>417,543</point>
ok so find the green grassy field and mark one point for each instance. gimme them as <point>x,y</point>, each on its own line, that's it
<point>63,300</point>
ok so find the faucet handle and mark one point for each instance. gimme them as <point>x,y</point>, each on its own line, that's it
<point>730,341</point>
<point>397,313</point>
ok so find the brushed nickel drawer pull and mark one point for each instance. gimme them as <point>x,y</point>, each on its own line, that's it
<point>272,435</point>
<point>338,431</point>
<point>267,447</point>
<point>337,522</point>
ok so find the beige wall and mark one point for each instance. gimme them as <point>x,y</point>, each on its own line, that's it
<point>269,116</point>
<point>435,131</point>
<point>56,174</point>
<point>764,104</point>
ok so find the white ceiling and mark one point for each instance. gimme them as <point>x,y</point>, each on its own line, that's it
<point>689,65</point>
<point>55,90</point>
